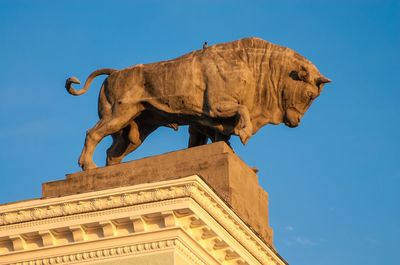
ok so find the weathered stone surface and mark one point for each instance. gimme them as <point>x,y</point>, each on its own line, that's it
<point>225,89</point>
<point>225,172</point>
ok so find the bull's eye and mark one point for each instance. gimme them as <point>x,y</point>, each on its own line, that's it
<point>301,75</point>
<point>295,75</point>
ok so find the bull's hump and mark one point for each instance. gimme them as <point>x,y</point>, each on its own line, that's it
<point>250,42</point>
<point>245,43</point>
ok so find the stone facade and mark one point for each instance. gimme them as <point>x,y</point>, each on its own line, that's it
<point>181,221</point>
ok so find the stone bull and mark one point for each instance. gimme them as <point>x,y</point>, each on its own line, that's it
<point>226,89</point>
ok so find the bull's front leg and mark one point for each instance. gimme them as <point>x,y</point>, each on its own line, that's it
<point>244,127</point>
<point>196,136</point>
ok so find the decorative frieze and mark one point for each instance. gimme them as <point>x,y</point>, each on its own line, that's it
<point>92,205</point>
<point>102,254</point>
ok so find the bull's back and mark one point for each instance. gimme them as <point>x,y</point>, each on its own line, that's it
<point>177,85</point>
<point>199,79</point>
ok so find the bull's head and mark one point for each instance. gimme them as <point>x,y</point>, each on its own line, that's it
<point>302,85</point>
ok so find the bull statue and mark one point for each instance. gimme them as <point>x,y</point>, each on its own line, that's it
<point>227,89</point>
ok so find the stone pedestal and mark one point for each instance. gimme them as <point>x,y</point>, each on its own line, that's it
<point>197,206</point>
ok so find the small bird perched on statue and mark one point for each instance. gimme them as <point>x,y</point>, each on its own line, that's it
<point>205,45</point>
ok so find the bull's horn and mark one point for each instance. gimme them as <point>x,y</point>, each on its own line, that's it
<point>323,80</point>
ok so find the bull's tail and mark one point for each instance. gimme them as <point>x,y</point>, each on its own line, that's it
<point>74,80</point>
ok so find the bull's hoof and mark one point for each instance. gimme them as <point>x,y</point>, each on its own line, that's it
<point>112,161</point>
<point>245,134</point>
<point>87,165</point>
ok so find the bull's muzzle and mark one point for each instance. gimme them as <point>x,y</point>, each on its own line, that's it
<point>292,117</point>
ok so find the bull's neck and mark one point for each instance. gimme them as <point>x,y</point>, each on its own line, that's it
<point>268,109</point>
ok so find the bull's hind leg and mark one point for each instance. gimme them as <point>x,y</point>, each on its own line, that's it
<point>131,138</point>
<point>119,145</point>
<point>122,114</point>
<point>244,127</point>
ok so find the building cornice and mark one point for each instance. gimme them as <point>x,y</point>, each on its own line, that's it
<point>205,223</point>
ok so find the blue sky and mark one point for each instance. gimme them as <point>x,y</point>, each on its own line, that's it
<point>333,182</point>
